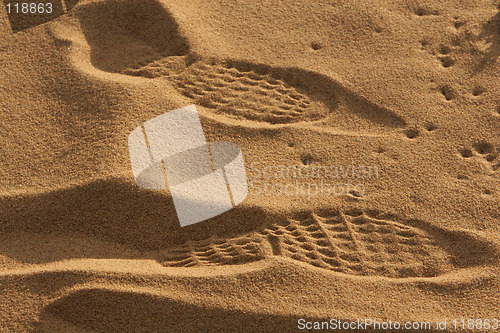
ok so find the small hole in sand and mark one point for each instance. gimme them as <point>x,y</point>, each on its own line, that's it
<point>291,144</point>
<point>447,61</point>
<point>483,147</point>
<point>491,157</point>
<point>380,150</point>
<point>426,11</point>
<point>445,49</point>
<point>457,24</point>
<point>488,192</point>
<point>411,133</point>
<point>465,152</point>
<point>307,159</point>
<point>430,127</point>
<point>478,91</point>
<point>378,29</point>
<point>447,92</point>
<point>461,177</point>
<point>316,46</point>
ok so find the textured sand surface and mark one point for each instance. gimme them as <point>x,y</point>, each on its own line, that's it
<point>409,90</point>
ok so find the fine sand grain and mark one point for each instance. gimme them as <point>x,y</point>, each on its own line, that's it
<point>370,132</point>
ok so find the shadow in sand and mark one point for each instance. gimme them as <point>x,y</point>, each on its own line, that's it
<point>24,15</point>
<point>136,312</point>
<point>491,35</point>
<point>122,33</point>
<point>118,211</point>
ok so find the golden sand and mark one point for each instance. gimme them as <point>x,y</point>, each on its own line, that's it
<point>390,109</point>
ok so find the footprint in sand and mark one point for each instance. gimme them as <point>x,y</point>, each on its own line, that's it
<point>264,93</point>
<point>485,151</point>
<point>489,153</point>
<point>249,91</point>
<point>357,243</point>
<point>353,242</point>
<point>243,92</point>
<point>233,88</point>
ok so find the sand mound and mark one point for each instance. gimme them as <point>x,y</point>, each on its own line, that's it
<point>382,116</point>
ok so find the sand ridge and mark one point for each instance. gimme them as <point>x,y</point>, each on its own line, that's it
<point>410,88</point>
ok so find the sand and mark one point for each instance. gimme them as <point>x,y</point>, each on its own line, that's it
<point>370,132</point>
